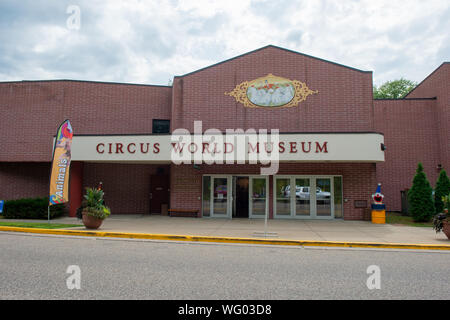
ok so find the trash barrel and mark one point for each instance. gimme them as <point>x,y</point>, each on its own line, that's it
<point>378,214</point>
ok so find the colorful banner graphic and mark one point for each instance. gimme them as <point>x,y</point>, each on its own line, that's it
<point>59,179</point>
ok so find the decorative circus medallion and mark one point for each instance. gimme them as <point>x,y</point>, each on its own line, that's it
<point>271,92</point>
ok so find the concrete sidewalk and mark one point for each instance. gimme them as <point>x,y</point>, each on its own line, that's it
<point>315,230</point>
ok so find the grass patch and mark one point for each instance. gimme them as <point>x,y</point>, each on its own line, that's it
<point>40,225</point>
<point>398,218</point>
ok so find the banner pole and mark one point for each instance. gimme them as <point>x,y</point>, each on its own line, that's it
<point>265,222</point>
<point>48,214</point>
<point>266,216</point>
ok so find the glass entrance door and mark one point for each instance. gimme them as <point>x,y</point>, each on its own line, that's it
<point>221,195</point>
<point>303,197</point>
<point>241,197</point>
<point>258,197</point>
<point>306,197</point>
<point>235,196</point>
<point>283,197</point>
<point>323,197</point>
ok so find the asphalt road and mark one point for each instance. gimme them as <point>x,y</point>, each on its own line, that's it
<point>34,267</point>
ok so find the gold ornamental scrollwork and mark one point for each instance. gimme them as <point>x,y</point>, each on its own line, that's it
<point>271,92</point>
<point>240,94</point>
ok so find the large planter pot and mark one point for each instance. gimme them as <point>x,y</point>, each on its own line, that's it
<point>446,228</point>
<point>91,222</point>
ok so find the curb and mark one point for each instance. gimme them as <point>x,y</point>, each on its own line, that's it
<point>280,242</point>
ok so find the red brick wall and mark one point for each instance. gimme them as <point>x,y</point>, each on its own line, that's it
<point>344,102</point>
<point>438,85</point>
<point>411,136</point>
<point>76,191</point>
<point>415,130</point>
<point>359,182</point>
<point>126,186</point>
<point>24,180</point>
<point>32,111</point>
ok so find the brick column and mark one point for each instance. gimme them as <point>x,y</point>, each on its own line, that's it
<point>76,187</point>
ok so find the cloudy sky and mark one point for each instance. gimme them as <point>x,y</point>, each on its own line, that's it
<point>152,41</point>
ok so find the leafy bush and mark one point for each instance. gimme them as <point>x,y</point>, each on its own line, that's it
<point>438,221</point>
<point>80,209</point>
<point>420,198</point>
<point>94,198</point>
<point>94,205</point>
<point>442,190</point>
<point>32,208</point>
<point>101,213</point>
<point>446,202</point>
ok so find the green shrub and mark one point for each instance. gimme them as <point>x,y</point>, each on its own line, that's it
<point>99,213</point>
<point>94,198</point>
<point>94,205</point>
<point>32,208</point>
<point>420,197</point>
<point>442,190</point>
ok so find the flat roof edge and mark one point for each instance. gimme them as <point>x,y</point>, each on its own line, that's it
<point>87,81</point>
<point>168,134</point>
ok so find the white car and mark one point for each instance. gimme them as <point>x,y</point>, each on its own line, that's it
<point>321,195</point>
<point>302,193</point>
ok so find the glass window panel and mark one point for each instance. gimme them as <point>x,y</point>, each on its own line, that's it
<point>283,200</point>
<point>338,209</point>
<point>259,207</point>
<point>220,196</point>
<point>206,205</point>
<point>259,189</point>
<point>323,197</point>
<point>161,126</point>
<point>302,197</point>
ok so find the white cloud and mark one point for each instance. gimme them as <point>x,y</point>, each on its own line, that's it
<point>151,41</point>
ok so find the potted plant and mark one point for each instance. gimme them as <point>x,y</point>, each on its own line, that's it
<point>441,222</point>
<point>93,209</point>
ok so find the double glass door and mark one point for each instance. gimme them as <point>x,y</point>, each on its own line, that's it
<point>303,197</point>
<point>221,199</point>
<point>300,197</point>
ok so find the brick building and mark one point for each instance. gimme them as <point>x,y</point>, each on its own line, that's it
<point>334,138</point>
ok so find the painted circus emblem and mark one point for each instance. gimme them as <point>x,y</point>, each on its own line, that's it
<point>271,92</point>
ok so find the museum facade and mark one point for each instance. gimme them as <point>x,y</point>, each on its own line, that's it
<point>271,132</point>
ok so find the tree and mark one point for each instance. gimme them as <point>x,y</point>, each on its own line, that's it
<point>396,89</point>
<point>420,197</point>
<point>442,189</point>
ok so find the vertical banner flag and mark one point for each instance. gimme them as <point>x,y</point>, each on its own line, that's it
<point>59,178</point>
